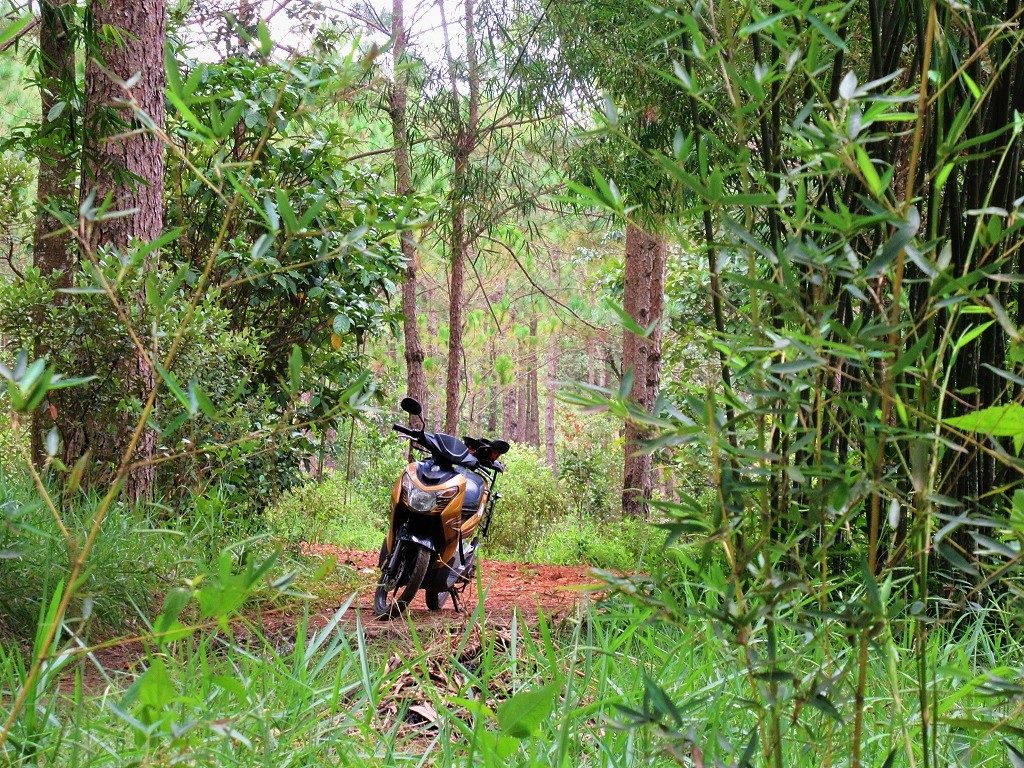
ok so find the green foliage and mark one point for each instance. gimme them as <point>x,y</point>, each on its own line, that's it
<point>16,181</point>
<point>627,54</point>
<point>349,513</point>
<point>530,500</point>
<point>313,260</point>
<point>133,557</point>
<point>622,545</point>
<point>590,462</point>
<point>330,511</point>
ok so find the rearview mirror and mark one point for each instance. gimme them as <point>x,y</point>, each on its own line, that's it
<point>500,446</point>
<point>411,406</point>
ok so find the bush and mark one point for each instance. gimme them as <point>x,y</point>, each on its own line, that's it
<point>530,500</point>
<point>12,444</point>
<point>330,511</point>
<point>590,464</point>
<point>623,545</point>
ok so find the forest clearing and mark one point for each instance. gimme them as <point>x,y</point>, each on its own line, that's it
<point>512,383</point>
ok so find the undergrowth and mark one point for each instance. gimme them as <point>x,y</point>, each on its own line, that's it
<point>459,697</point>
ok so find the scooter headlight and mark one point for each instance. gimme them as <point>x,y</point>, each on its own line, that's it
<point>417,499</point>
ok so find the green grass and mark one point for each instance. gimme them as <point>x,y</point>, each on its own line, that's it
<point>601,681</point>
<point>652,676</point>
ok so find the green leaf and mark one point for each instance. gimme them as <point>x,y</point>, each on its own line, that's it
<point>867,168</point>
<point>996,420</point>
<point>284,207</point>
<point>176,389</point>
<point>201,399</point>
<point>971,334</point>
<point>767,21</point>
<point>501,745</point>
<point>522,715</point>
<point>77,473</point>
<point>263,33</point>
<point>796,366</point>
<point>14,29</point>
<point>625,319</point>
<point>167,625</point>
<point>295,370</point>
<point>156,689</point>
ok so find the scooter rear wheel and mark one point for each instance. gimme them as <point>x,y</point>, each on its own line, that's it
<point>416,564</point>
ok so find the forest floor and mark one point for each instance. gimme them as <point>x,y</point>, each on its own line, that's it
<point>523,589</point>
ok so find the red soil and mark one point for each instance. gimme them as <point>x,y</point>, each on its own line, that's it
<point>528,587</point>
<point>508,588</point>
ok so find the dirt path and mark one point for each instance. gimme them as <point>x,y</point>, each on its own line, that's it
<point>509,587</point>
<point>528,587</point>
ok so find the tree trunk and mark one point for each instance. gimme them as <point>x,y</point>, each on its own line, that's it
<point>465,141</point>
<point>510,415</point>
<point>522,398</point>
<point>432,350</point>
<point>644,286</point>
<point>125,163</point>
<point>416,384</point>
<point>591,360</point>
<point>549,413</point>
<point>533,387</point>
<point>453,384</point>
<point>51,243</point>
<point>492,392</point>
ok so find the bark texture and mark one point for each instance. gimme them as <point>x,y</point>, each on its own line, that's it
<point>52,252</point>
<point>510,414</point>
<point>416,384</point>
<point>644,288</point>
<point>533,387</point>
<point>549,412</point>
<point>124,162</point>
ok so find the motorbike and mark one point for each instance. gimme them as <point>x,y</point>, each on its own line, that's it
<point>441,507</point>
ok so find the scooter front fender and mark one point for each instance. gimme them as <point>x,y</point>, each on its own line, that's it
<point>424,541</point>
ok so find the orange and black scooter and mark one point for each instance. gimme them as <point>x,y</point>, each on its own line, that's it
<point>440,508</point>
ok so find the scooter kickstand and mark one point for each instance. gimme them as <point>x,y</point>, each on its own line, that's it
<point>456,600</point>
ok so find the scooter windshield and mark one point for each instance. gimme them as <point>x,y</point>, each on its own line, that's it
<point>451,449</point>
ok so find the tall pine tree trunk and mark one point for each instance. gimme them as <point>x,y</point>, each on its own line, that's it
<point>453,388</point>
<point>51,245</point>
<point>492,392</point>
<point>522,433</point>
<point>510,414</point>
<point>125,162</point>
<point>644,285</point>
<point>465,141</point>
<point>416,385</point>
<point>533,387</point>
<point>549,412</point>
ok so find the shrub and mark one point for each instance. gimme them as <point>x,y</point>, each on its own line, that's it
<point>623,545</point>
<point>530,500</point>
<point>590,463</point>
<point>329,511</point>
<point>12,444</point>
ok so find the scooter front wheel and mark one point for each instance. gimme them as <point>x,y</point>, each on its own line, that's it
<point>416,565</point>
